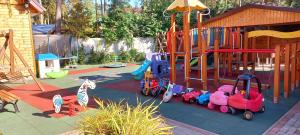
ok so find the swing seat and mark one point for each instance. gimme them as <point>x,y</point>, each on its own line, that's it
<point>11,77</point>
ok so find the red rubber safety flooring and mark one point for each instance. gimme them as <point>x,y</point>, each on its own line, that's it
<point>82,71</point>
<point>31,94</point>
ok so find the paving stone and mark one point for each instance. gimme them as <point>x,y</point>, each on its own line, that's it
<point>284,129</point>
<point>289,124</point>
<point>291,130</point>
<point>297,132</point>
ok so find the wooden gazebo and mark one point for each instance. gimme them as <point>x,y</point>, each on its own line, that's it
<point>261,29</point>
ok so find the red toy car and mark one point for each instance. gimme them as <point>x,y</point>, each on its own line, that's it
<point>190,97</point>
<point>249,99</point>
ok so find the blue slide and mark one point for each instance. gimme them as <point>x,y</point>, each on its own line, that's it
<point>141,70</point>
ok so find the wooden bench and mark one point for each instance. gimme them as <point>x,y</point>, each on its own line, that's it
<point>8,98</point>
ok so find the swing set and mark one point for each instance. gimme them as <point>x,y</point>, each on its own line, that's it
<point>13,73</point>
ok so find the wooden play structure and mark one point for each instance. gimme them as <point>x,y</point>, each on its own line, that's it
<point>185,7</point>
<point>13,72</point>
<point>242,43</point>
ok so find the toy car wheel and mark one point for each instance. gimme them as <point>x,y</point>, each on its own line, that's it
<point>224,109</point>
<point>248,115</point>
<point>198,102</point>
<point>154,92</point>
<point>1,105</point>
<point>210,105</point>
<point>262,109</point>
<point>143,92</point>
<point>191,100</point>
<point>232,110</point>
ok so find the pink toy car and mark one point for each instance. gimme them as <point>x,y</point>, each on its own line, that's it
<point>220,98</point>
<point>190,97</point>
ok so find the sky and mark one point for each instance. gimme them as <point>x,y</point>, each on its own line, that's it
<point>134,2</point>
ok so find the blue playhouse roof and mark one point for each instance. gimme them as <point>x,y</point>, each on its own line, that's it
<point>46,56</point>
<point>43,29</point>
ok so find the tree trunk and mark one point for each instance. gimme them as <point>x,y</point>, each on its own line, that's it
<point>101,4</point>
<point>105,4</point>
<point>58,17</point>
<point>41,16</point>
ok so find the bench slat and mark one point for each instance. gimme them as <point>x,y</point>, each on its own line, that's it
<point>10,94</point>
<point>7,97</point>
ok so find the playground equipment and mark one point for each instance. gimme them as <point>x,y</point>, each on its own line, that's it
<point>82,98</point>
<point>139,73</point>
<point>239,45</point>
<point>158,63</point>
<point>115,63</point>
<point>251,100</point>
<point>49,66</point>
<point>168,94</point>
<point>59,74</point>
<point>203,99</point>
<point>149,87</point>
<point>186,7</point>
<point>13,50</point>
<point>190,97</point>
<point>220,98</point>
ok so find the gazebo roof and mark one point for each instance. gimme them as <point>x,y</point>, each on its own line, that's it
<point>186,5</point>
<point>255,15</point>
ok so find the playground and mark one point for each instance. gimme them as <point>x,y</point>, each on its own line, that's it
<point>231,74</point>
<point>37,114</point>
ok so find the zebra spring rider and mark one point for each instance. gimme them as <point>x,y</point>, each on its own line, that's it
<point>82,96</point>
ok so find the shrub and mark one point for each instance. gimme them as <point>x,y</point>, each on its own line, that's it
<point>125,56</point>
<point>140,57</point>
<point>122,119</point>
<point>133,52</point>
<point>81,55</point>
<point>98,57</point>
<point>136,56</point>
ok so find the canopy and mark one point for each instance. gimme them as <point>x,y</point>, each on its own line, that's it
<point>186,5</point>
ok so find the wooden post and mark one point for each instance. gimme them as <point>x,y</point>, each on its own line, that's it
<point>187,46</point>
<point>204,64</point>
<point>297,64</point>
<point>287,70</point>
<point>245,55</point>
<point>11,52</point>
<point>293,65</point>
<point>238,44</point>
<point>216,59</point>
<point>173,48</point>
<point>230,55</point>
<point>199,23</point>
<point>277,74</point>
<point>253,55</point>
<point>15,50</point>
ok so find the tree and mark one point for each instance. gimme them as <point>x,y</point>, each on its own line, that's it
<point>79,21</point>
<point>41,16</point>
<point>58,18</point>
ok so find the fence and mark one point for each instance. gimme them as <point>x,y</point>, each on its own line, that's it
<point>66,46</point>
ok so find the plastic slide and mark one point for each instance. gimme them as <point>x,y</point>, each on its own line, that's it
<point>194,62</point>
<point>142,68</point>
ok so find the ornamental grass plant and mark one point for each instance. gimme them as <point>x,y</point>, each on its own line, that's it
<point>122,119</point>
